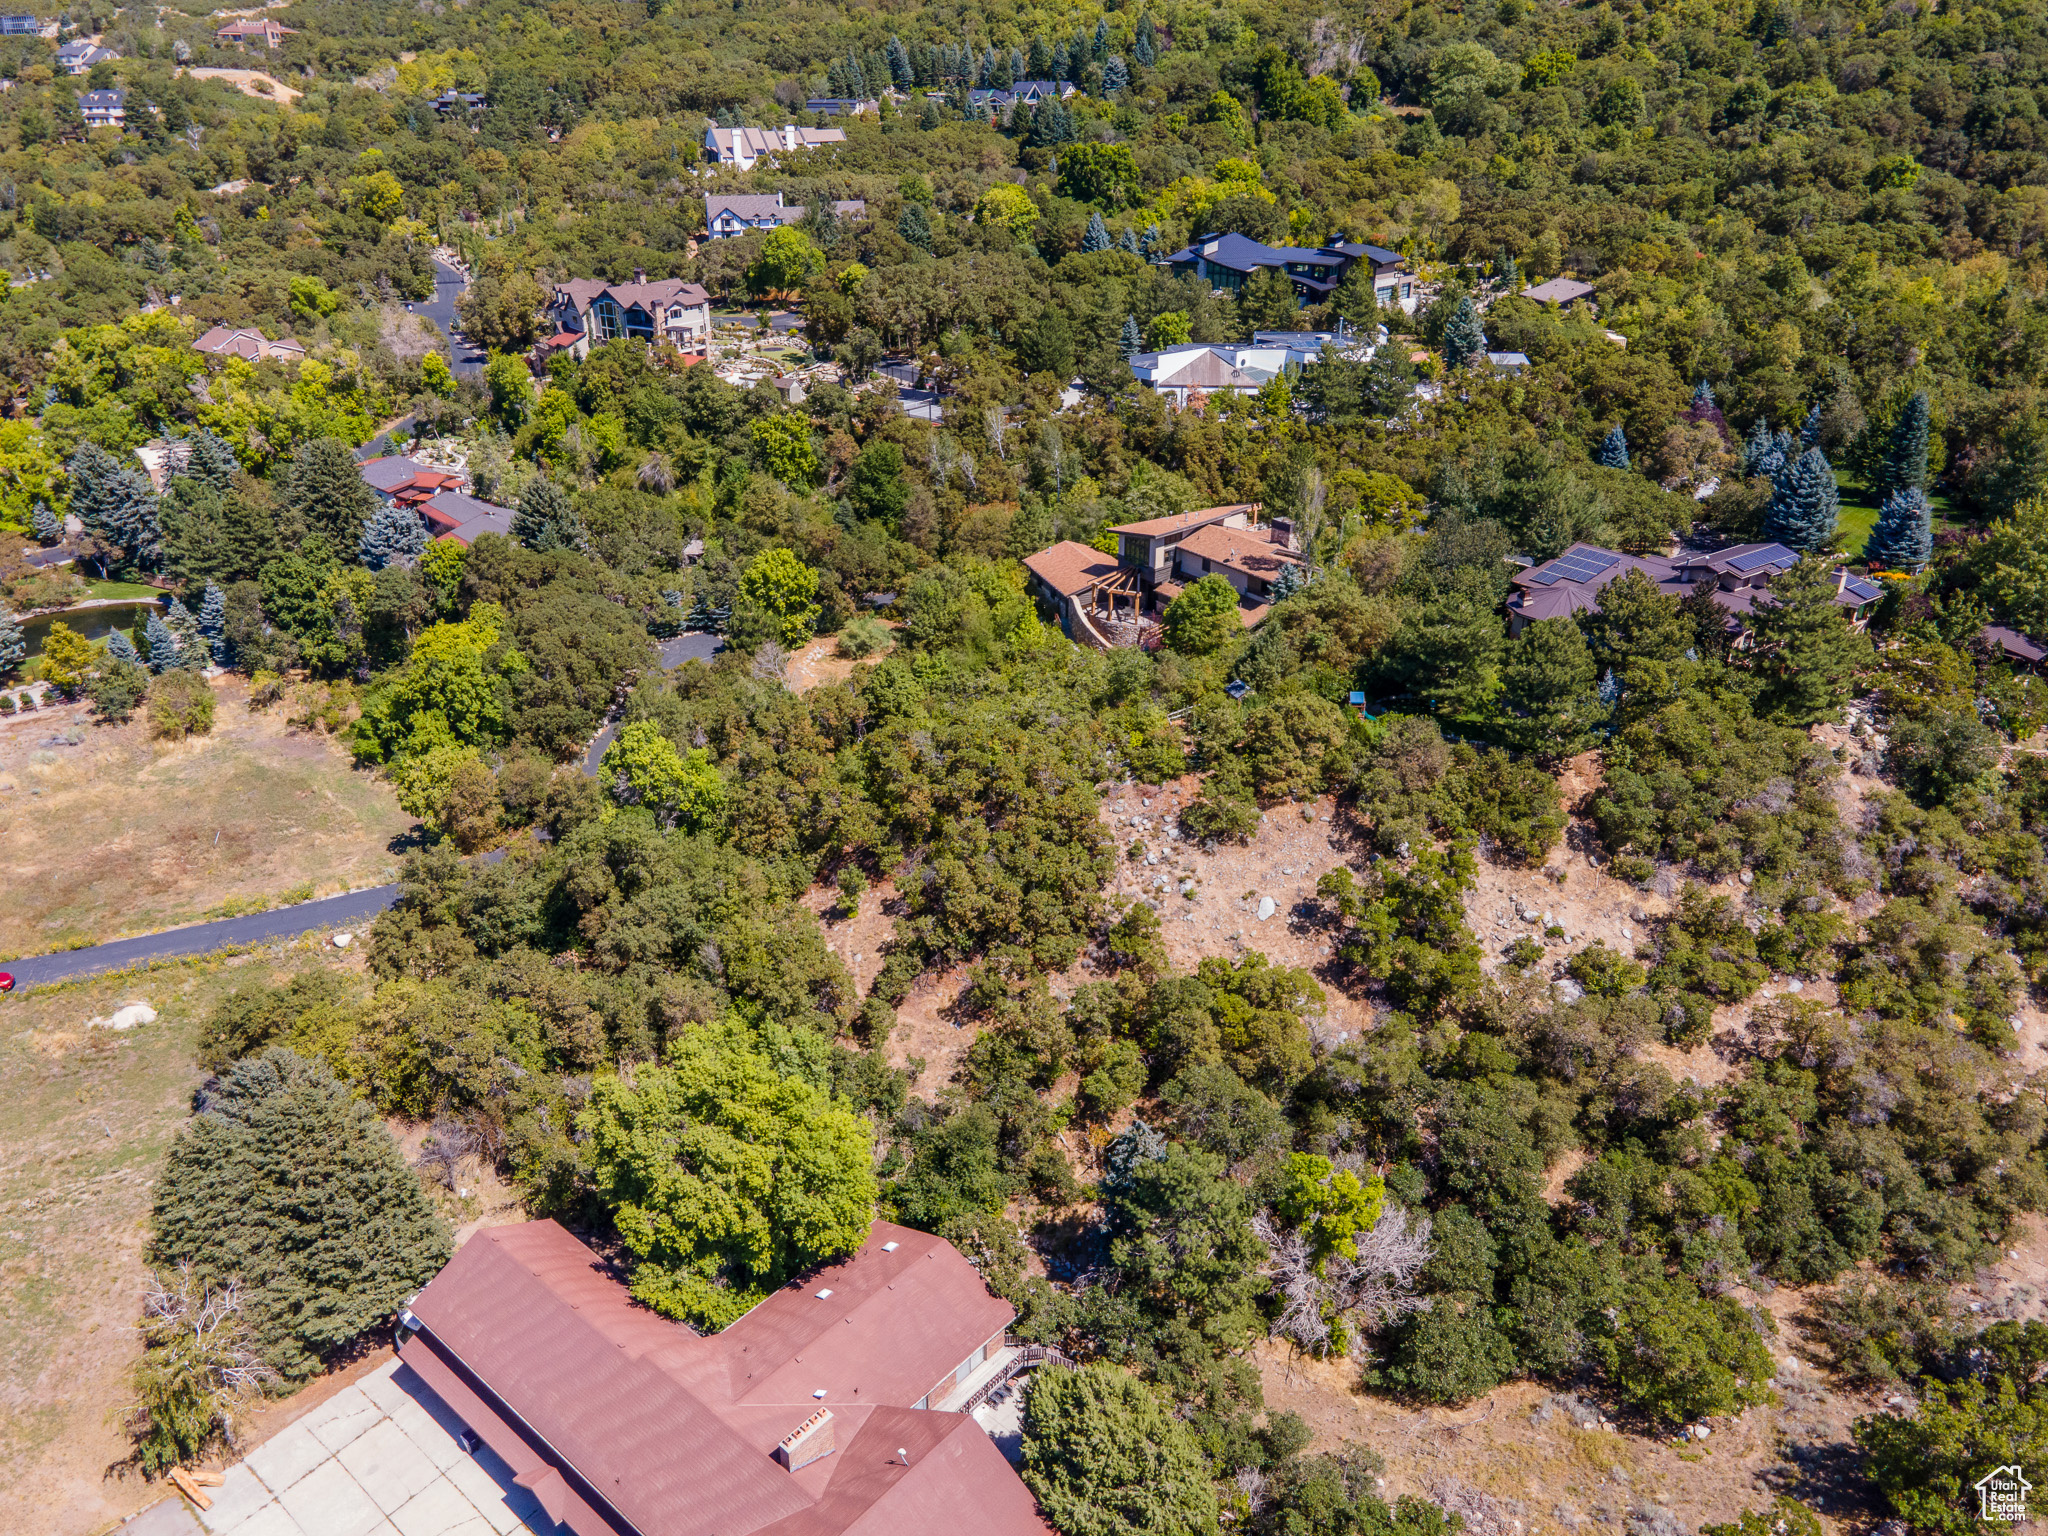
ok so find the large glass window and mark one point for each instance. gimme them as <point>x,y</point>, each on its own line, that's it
<point>604,320</point>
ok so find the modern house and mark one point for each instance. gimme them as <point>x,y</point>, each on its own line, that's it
<point>247,342</point>
<point>79,55</point>
<point>460,102</point>
<point>1741,577</point>
<point>1559,290</point>
<point>1104,601</point>
<point>461,517</point>
<point>104,109</point>
<point>408,481</point>
<point>833,1408</point>
<point>1193,369</point>
<point>589,311</point>
<point>243,31</point>
<point>744,148</point>
<point>1228,262</point>
<point>843,106</point>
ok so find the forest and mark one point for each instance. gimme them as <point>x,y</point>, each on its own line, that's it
<point>1818,303</point>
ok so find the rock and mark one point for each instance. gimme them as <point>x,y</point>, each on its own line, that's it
<point>1701,1432</point>
<point>1569,991</point>
<point>1546,919</point>
<point>343,940</point>
<point>1795,985</point>
<point>1625,933</point>
<point>1151,858</point>
<point>1748,878</point>
<point>128,1016</point>
<point>1267,907</point>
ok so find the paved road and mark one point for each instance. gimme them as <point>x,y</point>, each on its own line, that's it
<point>448,287</point>
<point>351,910</point>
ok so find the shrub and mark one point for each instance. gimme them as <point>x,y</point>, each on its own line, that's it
<point>118,690</point>
<point>198,1367</point>
<point>863,637</point>
<point>180,705</point>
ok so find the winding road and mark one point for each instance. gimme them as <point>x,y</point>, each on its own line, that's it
<point>347,910</point>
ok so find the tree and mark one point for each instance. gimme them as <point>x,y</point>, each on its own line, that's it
<point>211,462</point>
<point>1463,338</point>
<point>68,658</point>
<point>783,448</point>
<point>118,689</point>
<point>545,518</point>
<point>1009,206</point>
<point>287,1181</point>
<point>1550,691</point>
<point>875,486</point>
<point>1805,504</point>
<point>454,688</point>
<point>325,490</point>
<point>199,1367</point>
<point>1268,302</point>
<point>117,505</point>
<point>1680,1356</point>
<point>1613,452</point>
<point>725,1177</point>
<point>393,536</point>
<point>213,621</point>
<point>1105,1459</point>
<point>1116,75</point>
<point>1096,237</point>
<point>510,382</point>
<point>642,767</point>
<point>180,705</point>
<point>13,646</point>
<point>1903,539</point>
<point>1905,455</point>
<point>47,529</point>
<point>1805,645</point>
<point>788,261</point>
<point>915,225</point>
<point>1103,174</point>
<point>1130,343</point>
<point>502,314</point>
<point>783,588</point>
<point>1203,619</point>
<point>164,655</point>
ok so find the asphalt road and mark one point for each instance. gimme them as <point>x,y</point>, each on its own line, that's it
<point>350,910</point>
<point>448,287</point>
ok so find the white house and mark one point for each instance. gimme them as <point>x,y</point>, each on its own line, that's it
<point>1207,368</point>
<point>743,148</point>
<point>104,109</point>
<point>593,311</point>
<point>75,58</point>
<point>726,215</point>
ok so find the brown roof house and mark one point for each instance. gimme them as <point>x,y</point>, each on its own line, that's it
<point>239,34</point>
<point>829,1409</point>
<point>591,311</point>
<point>247,342</point>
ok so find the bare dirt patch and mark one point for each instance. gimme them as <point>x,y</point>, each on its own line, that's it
<point>246,81</point>
<point>118,834</point>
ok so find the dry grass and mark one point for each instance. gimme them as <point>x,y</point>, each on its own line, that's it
<point>120,834</point>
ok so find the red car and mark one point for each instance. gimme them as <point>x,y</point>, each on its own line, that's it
<point>6,981</point>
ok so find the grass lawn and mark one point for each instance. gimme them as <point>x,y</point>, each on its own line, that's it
<point>1859,516</point>
<point>122,589</point>
<point>120,834</point>
<point>84,1125</point>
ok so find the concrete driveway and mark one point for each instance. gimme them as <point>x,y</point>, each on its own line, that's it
<point>379,1459</point>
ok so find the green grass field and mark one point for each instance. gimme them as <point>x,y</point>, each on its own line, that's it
<point>126,590</point>
<point>1859,516</point>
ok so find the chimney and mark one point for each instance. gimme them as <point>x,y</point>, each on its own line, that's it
<point>1283,532</point>
<point>807,1442</point>
<point>1841,577</point>
<point>639,274</point>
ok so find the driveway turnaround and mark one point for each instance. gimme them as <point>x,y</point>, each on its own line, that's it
<point>383,1458</point>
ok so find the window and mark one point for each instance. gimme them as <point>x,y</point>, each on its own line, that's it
<point>604,321</point>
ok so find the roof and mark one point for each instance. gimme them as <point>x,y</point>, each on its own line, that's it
<point>2012,642</point>
<point>1508,359</point>
<point>1069,567</point>
<point>750,207</point>
<point>1183,522</point>
<point>1207,369</point>
<point>1747,560</point>
<point>104,101</point>
<point>1247,551</point>
<point>464,516</point>
<point>620,1420</point>
<point>395,470</point>
<point>1559,290</point>
<point>584,291</point>
<point>1571,582</point>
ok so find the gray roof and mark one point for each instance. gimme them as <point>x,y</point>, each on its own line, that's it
<point>1559,290</point>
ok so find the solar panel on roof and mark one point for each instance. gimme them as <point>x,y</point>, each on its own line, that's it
<point>1768,555</point>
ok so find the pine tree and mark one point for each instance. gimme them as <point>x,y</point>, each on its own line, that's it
<point>545,519</point>
<point>92,472</point>
<point>1903,539</point>
<point>1116,75</point>
<point>1098,49</point>
<point>1809,430</point>
<point>213,622</point>
<point>1132,341</point>
<point>1146,47</point>
<point>1510,274</point>
<point>899,64</point>
<point>1128,241</point>
<point>1760,455</point>
<point>1804,645</point>
<point>1292,579</point>
<point>1097,236</point>
<point>289,1181</point>
<point>1149,241</point>
<point>915,226</point>
<point>44,521</point>
<point>1463,338</point>
<point>13,646</point>
<point>1040,62</point>
<point>394,536</point>
<point>325,489</point>
<point>1905,454</point>
<point>121,648</point>
<point>1703,396</point>
<point>163,645</point>
<point>1550,691</point>
<point>212,462</point>
<point>1061,69</point>
<point>1805,504</point>
<point>192,646</point>
<point>1614,449</point>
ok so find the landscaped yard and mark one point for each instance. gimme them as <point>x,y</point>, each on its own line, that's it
<point>118,834</point>
<point>1859,516</point>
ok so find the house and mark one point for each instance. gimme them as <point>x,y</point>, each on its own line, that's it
<point>2024,654</point>
<point>744,148</point>
<point>104,109</point>
<point>1559,290</point>
<point>21,26</point>
<point>247,342</point>
<point>834,1407</point>
<point>243,31</point>
<point>1024,93</point>
<point>457,101</point>
<point>1228,262</point>
<point>1076,581</point>
<point>408,481</point>
<point>842,106</point>
<point>1193,369</point>
<point>589,311</point>
<point>1740,576</point>
<point>1509,362</point>
<point>459,516</point>
<point>727,214</point>
<point>79,55</point>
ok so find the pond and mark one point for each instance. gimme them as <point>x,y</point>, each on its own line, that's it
<point>95,623</point>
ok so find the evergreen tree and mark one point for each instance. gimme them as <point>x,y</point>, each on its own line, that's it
<point>1040,65</point>
<point>1510,274</point>
<point>1149,241</point>
<point>1703,396</point>
<point>1116,75</point>
<point>1292,579</point>
<point>289,1181</point>
<point>1132,342</point>
<point>545,519</point>
<point>116,504</point>
<point>1463,338</point>
<point>1017,65</point>
<point>1061,68</point>
<point>1104,1457</point>
<point>1613,449</point>
<point>1809,430</point>
<point>1098,49</point>
<point>212,462</point>
<point>92,472</point>
<point>325,490</point>
<point>915,226</point>
<point>1804,645</point>
<point>1550,690</point>
<point>1146,47</point>
<point>1128,241</point>
<point>44,521</point>
<point>1760,456</point>
<point>1904,535</point>
<point>213,621</point>
<point>192,646</point>
<point>13,646</point>
<point>393,536</point>
<point>163,645</point>
<point>899,64</point>
<point>1905,454</point>
<point>1805,504</point>
<point>1097,236</point>
<point>120,648</point>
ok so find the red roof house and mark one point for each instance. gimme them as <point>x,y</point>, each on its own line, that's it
<point>819,1413</point>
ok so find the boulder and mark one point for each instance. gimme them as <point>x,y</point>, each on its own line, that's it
<point>343,940</point>
<point>128,1015</point>
<point>1267,907</point>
